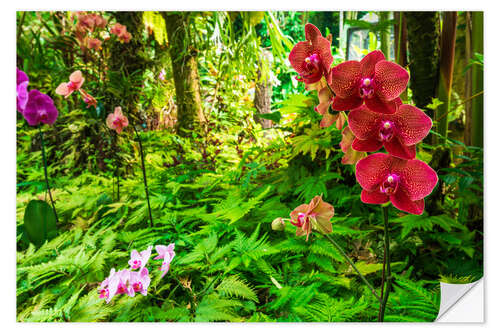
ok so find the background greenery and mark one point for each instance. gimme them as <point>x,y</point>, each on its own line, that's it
<point>215,192</point>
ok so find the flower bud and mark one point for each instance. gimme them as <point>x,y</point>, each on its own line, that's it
<point>278,224</point>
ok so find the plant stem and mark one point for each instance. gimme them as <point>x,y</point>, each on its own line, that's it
<point>144,176</point>
<point>117,181</point>
<point>382,285</point>
<point>46,177</point>
<point>117,168</point>
<point>387,263</point>
<point>353,266</point>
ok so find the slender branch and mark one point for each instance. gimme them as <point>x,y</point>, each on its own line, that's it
<point>385,211</point>
<point>463,102</point>
<point>354,266</point>
<point>144,176</point>
<point>46,177</point>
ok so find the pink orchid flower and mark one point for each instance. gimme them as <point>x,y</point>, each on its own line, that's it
<point>117,120</point>
<point>104,291</point>
<point>118,284</point>
<point>312,58</point>
<point>398,132</point>
<point>139,282</point>
<point>94,43</point>
<point>404,182</point>
<point>351,156</point>
<point>139,260</point>
<point>162,74</point>
<point>121,31</point>
<point>88,99</point>
<point>325,100</point>
<point>317,214</point>
<point>75,83</point>
<point>167,254</point>
<point>373,81</point>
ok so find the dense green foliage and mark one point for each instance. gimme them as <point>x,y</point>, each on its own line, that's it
<point>215,195</point>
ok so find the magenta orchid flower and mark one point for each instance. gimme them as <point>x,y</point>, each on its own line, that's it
<point>139,282</point>
<point>312,58</point>
<point>75,83</point>
<point>398,132</point>
<point>317,214</point>
<point>139,260</point>
<point>167,254</point>
<point>22,90</point>
<point>351,156</point>
<point>403,182</point>
<point>39,108</point>
<point>117,120</point>
<point>373,81</point>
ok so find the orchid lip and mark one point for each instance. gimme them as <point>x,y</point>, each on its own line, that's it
<point>386,131</point>
<point>390,185</point>
<point>366,88</point>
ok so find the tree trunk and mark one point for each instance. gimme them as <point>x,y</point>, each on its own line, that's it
<point>190,116</point>
<point>127,64</point>
<point>423,44</point>
<point>263,89</point>
<point>468,80</point>
<point>401,39</point>
<point>477,80</point>
<point>400,44</point>
<point>447,60</point>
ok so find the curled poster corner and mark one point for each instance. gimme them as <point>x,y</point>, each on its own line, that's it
<point>462,302</point>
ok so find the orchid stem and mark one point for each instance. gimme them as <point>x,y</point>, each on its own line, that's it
<point>144,176</point>
<point>46,177</point>
<point>354,266</point>
<point>117,181</point>
<point>387,265</point>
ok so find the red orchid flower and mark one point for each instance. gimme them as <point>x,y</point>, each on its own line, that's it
<point>313,58</point>
<point>351,156</point>
<point>317,214</point>
<point>373,80</point>
<point>404,182</point>
<point>325,100</point>
<point>397,132</point>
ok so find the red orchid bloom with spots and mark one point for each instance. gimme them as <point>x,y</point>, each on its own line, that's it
<point>312,58</point>
<point>397,132</point>
<point>317,214</point>
<point>403,182</point>
<point>373,81</point>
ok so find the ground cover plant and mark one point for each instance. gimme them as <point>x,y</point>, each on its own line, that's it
<point>246,166</point>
